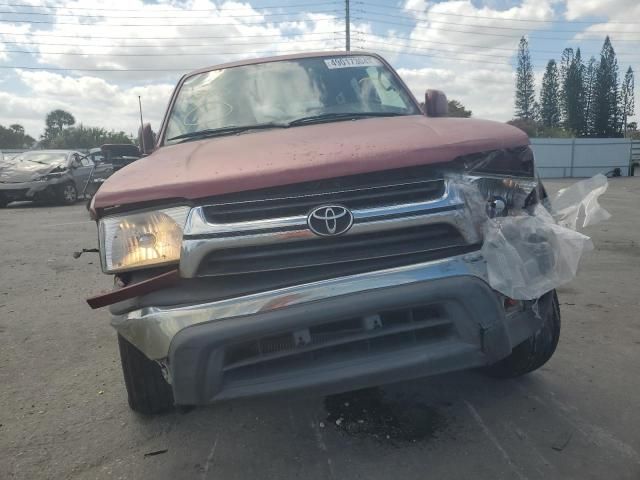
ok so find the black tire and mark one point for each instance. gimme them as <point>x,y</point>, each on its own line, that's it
<point>536,350</point>
<point>147,390</point>
<point>67,194</point>
<point>3,201</point>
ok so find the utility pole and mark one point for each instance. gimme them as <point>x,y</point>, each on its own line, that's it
<point>144,147</point>
<point>347,25</point>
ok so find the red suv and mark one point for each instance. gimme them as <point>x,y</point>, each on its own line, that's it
<point>301,222</point>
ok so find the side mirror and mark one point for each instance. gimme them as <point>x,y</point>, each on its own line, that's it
<point>435,104</point>
<point>146,139</point>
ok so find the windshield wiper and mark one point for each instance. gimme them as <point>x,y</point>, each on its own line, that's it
<point>328,117</point>
<point>214,132</point>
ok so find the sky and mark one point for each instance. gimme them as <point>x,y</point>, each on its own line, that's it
<point>94,58</point>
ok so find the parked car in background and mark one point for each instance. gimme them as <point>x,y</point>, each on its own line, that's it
<point>302,223</point>
<point>44,175</point>
<point>108,158</point>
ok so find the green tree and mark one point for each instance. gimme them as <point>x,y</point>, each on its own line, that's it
<point>606,122</point>
<point>82,137</point>
<point>15,137</point>
<point>525,88</point>
<point>627,102</point>
<point>550,96</point>
<point>589,85</point>
<point>573,92</point>
<point>55,122</point>
<point>457,109</point>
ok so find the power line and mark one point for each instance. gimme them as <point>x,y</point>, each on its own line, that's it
<point>197,45</point>
<point>126,70</point>
<point>130,37</point>
<point>437,56</point>
<point>513,50</point>
<point>414,20</point>
<point>192,25</point>
<point>295,5</point>
<point>179,17</point>
<point>469,32</point>
<point>439,50</point>
<point>449,53</point>
<point>178,54</point>
<point>431,12</point>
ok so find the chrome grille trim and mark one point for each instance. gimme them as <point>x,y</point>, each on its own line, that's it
<point>202,237</point>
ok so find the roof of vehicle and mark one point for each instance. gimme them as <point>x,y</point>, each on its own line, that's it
<point>279,58</point>
<point>50,151</point>
<point>121,149</point>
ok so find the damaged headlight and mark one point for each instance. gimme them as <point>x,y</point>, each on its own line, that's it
<point>140,240</point>
<point>50,176</point>
<point>507,196</point>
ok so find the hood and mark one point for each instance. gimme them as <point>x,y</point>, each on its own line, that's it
<point>270,158</point>
<point>25,171</point>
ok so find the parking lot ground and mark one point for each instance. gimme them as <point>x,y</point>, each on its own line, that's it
<point>63,411</point>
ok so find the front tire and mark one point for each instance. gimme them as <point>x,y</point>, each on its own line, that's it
<point>147,390</point>
<point>534,352</point>
<point>68,194</point>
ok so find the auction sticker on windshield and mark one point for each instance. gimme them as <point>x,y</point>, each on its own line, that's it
<point>348,62</point>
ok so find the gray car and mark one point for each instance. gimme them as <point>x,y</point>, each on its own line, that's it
<point>49,175</point>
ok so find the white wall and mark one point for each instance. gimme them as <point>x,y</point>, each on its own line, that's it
<point>580,157</point>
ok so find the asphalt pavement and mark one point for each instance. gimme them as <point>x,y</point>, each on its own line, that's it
<point>63,410</point>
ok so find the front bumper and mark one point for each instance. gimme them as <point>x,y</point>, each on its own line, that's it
<point>336,334</point>
<point>26,190</point>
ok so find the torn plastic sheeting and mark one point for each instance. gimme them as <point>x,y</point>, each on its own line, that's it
<point>530,252</point>
<point>581,196</point>
<point>529,255</point>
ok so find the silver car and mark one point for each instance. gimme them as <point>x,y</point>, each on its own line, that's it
<point>49,175</point>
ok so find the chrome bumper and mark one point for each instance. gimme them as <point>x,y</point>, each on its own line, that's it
<point>152,329</point>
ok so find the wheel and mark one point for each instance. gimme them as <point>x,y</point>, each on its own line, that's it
<point>147,390</point>
<point>68,194</point>
<point>536,350</point>
<point>3,201</point>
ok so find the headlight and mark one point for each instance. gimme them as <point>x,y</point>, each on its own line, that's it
<point>50,176</point>
<point>506,196</point>
<point>140,240</point>
<point>489,196</point>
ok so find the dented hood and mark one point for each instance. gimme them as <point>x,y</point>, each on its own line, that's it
<point>261,159</point>
<point>26,171</point>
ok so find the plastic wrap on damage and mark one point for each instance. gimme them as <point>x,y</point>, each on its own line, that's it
<point>582,196</point>
<point>529,255</point>
<point>529,251</point>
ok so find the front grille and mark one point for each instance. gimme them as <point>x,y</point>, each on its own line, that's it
<point>300,203</point>
<point>401,245</point>
<point>399,218</point>
<point>337,341</point>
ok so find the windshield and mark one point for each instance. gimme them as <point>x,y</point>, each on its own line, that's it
<point>47,158</point>
<point>284,91</point>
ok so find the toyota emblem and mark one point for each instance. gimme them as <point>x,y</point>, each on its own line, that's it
<point>330,220</point>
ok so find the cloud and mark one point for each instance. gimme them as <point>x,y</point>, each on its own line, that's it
<point>576,9</point>
<point>204,33</point>
<point>93,101</point>
<point>445,45</point>
<point>485,91</point>
<point>448,23</point>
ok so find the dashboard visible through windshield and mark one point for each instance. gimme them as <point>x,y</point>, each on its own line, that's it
<point>281,93</point>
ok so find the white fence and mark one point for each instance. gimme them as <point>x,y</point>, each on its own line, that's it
<point>581,157</point>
